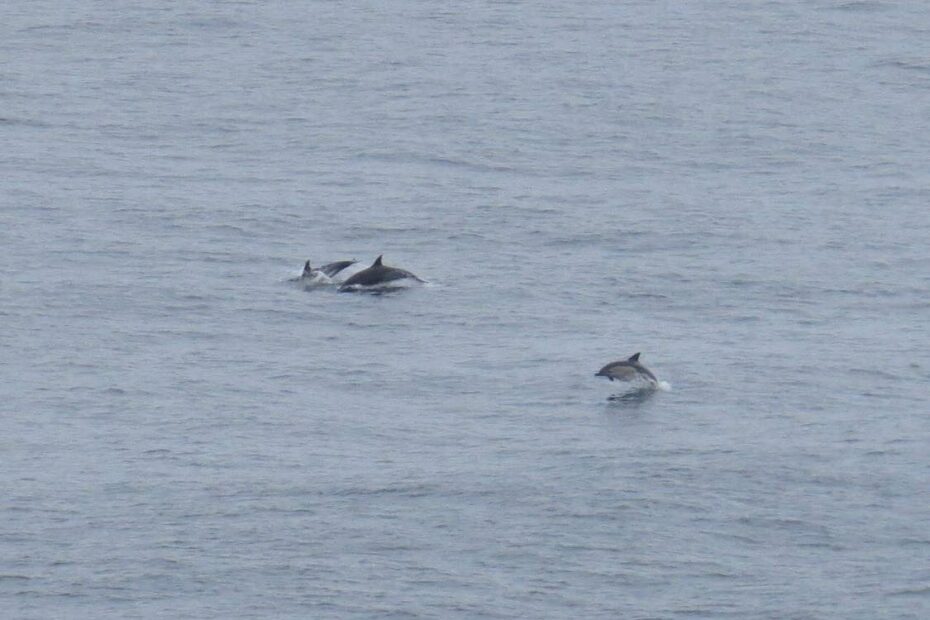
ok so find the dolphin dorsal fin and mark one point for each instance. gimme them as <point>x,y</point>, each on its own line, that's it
<point>307,267</point>
<point>634,358</point>
<point>377,261</point>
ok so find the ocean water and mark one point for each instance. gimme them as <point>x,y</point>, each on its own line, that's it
<point>739,190</point>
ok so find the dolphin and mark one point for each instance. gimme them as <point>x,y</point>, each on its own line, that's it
<point>627,370</point>
<point>329,269</point>
<point>378,273</point>
<point>332,269</point>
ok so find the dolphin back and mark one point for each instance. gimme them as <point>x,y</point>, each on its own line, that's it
<point>626,370</point>
<point>378,273</point>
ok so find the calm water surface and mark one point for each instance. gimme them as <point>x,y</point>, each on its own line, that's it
<point>738,190</point>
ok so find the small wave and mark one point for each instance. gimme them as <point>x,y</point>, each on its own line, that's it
<point>445,162</point>
<point>635,396</point>
<point>21,122</point>
<point>634,295</point>
<point>918,66</point>
<point>918,591</point>
<point>394,286</point>
<point>873,372</point>
<point>640,391</point>
<point>414,490</point>
<point>859,6</point>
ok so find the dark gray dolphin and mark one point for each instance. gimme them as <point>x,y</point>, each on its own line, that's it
<point>627,370</point>
<point>329,269</point>
<point>377,274</point>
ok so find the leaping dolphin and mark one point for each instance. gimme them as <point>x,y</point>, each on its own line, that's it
<point>378,273</point>
<point>627,370</point>
<point>329,269</point>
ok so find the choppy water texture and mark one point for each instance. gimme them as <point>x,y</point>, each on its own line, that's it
<point>737,189</point>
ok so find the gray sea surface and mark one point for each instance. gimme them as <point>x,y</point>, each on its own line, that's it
<point>739,190</point>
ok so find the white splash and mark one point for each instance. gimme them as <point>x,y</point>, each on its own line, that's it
<point>318,279</point>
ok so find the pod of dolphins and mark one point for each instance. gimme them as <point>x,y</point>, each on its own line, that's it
<point>372,278</point>
<point>378,276</point>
